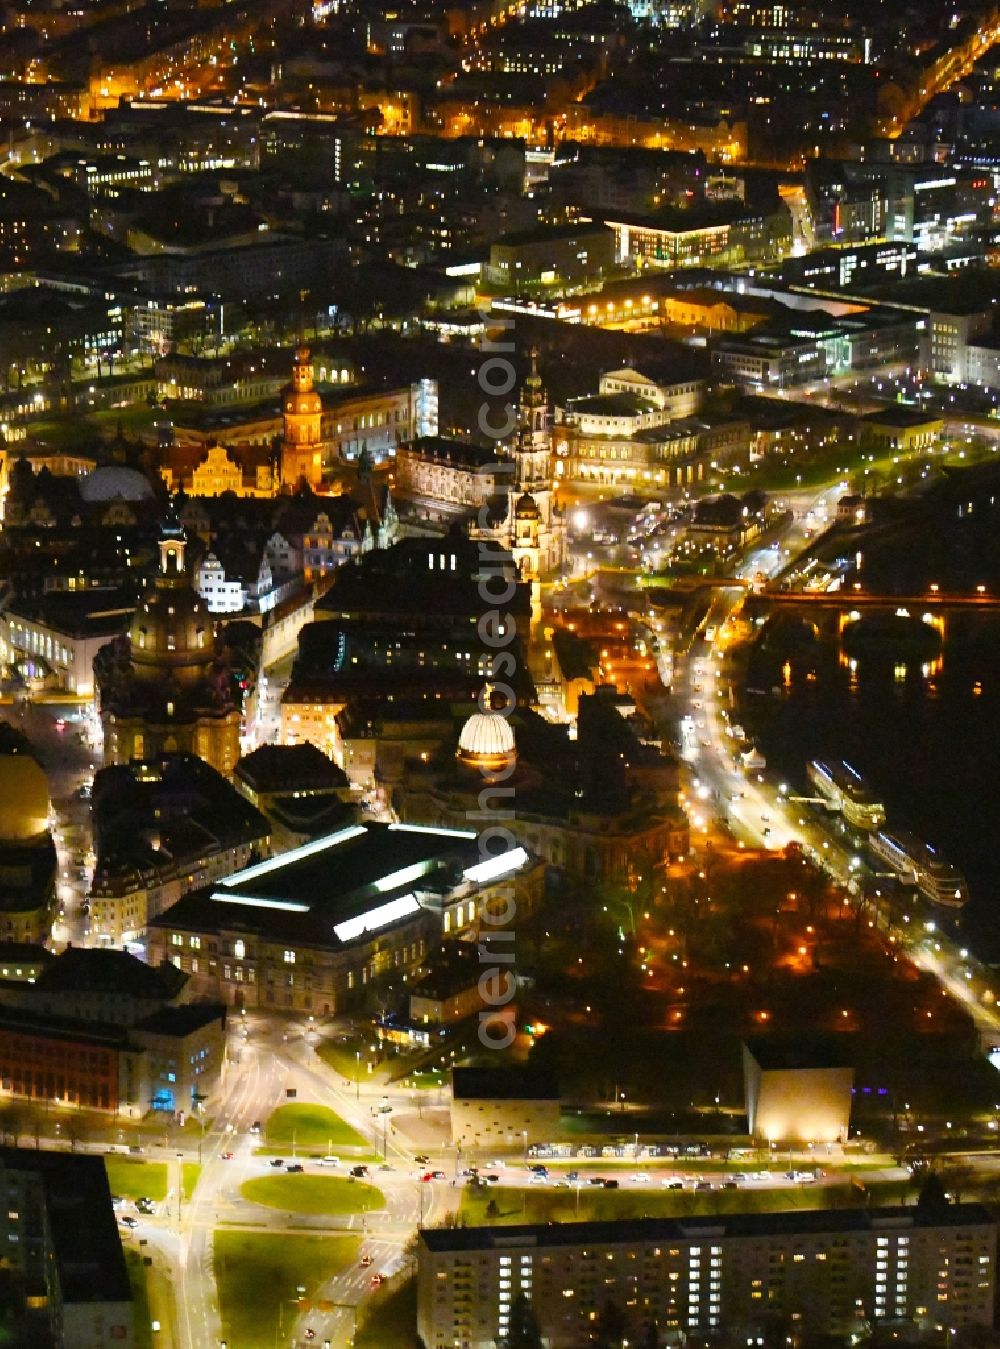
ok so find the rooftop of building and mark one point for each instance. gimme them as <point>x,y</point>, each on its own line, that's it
<point>96,970</point>
<point>901,418</point>
<point>85,1237</point>
<point>777,1052</point>
<point>290,768</point>
<point>503,1084</point>
<point>24,953</point>
<point>455,453</point>
<point>612,405</point>
<point>454,967</point>
<point>99,612</point>
<point>167,811</point>
<point>542,234</point>
<point>336,890</point>
<point>636,1231</point>
<point>183,1020</point>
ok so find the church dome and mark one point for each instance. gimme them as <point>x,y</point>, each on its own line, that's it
<point>24,799</point>
<point>115,482</point>
<point>526,508</point>
<point>487,740</point>
<point>171,631</point>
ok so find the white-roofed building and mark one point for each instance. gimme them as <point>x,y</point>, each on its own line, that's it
<point>308,930</point>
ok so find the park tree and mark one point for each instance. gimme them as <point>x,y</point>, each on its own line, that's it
<point>611,1327</point>
<point>523,1332</point>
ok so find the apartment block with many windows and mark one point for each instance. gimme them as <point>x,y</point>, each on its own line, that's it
<point>822,1272</point>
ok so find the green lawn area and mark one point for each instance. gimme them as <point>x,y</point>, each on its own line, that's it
<point>192,1170</point>
<point>391,1320</point>
<point>313,1194</point>
<point>311,1126</point>
<point>545,1205</point>
<point>134,1178</point>
<point>425,1081</point>
<point>140,1300</point>
<point>257,1272</point>
<point>341,1056</point>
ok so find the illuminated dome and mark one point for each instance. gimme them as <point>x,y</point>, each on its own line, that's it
<point>171,632</point>
<point>487,741</point>
<point>115,483</point>
<point>24,799</point>
<point>526,508</point>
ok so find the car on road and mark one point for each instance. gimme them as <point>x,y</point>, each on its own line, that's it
<point>422,1159</point>
<point>730,1185</point>
<point>428,1175</point>
<point>277,1161</point>
<point>310,1334</point>
<point>701,1186</point>
<point>669,1184</point>
<point>295,1167</point>
<point>358,1171</point>
<point>365,1261</point>
<point>438,1175</point>
<point>596,1180</point>
<point>117,1202</point>
<point>329,1160</point>
<point>376,1280</point>
<point>128,1221</point>
<point>611,1185</point>
<point>640,1177</point>
<point>491,1179</point>
<point>539,1179</point>
<point>227,1156</point>
<point>538,1169</point>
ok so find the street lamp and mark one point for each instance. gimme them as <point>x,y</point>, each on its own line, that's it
<point>357,1075</point>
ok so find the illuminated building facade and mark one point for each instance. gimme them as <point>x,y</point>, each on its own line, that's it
<point>820,1272</point>
<point>308,930</point>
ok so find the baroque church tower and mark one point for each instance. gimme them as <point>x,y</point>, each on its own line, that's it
<point>536,530</point>
<point>302,416</point>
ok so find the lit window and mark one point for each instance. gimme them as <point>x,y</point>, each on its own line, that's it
<point>289,957</point>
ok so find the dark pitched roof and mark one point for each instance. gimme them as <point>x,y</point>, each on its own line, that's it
<point>81,970</point>
<point>276,768</point>
<point>183,1020</point>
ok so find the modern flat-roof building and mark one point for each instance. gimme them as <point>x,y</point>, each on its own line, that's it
<point>798,1089</point>
<point>307,930</point>
<point>503,1107</point>
<point>65,1279</point>
<point>820,1272</point>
